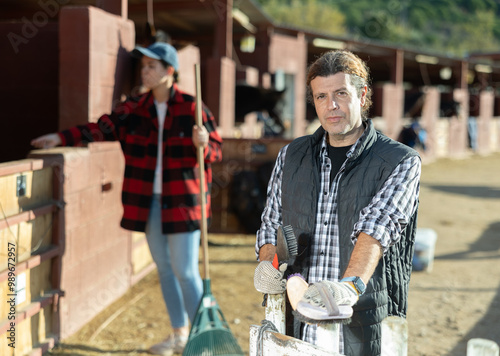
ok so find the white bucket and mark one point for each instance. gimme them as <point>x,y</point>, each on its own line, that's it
<point>482,347</point>
<point>425,242</point>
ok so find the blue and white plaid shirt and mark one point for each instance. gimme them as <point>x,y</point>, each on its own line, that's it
<point>384,218</point>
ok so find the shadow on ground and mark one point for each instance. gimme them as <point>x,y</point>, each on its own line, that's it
<point>475,191</point>
<point>485,328</point>
<point>486,246</point>
<point>84,350</point>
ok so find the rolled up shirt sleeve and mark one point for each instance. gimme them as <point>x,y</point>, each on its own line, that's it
<point>271,216</point>
<point>390,210</point>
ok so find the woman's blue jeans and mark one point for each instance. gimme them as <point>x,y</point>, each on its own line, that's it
<point>176,258</point>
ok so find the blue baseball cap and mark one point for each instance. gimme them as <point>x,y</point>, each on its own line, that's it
<point>161,51</point>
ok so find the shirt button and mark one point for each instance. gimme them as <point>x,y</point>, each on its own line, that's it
<point>326,223</point>
<point>325,193</point>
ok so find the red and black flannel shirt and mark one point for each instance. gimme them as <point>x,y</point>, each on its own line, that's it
<point>135,124</point>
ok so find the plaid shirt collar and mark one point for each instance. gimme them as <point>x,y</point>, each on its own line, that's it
<point>354,152</point>
<point>148,101</point>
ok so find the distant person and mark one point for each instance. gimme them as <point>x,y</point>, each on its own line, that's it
<point>161,185</point>
<point>472,132</point>
<point>351,196</point>
<point>414,136</point>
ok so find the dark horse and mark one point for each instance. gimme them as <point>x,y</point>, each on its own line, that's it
<point>263,101</point>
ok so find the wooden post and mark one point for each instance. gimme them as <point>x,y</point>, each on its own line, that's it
<point>328,337</point>
<point>275,311</point>
<point>397,72</point>
<point>279,344</point>
<point>394,336</point>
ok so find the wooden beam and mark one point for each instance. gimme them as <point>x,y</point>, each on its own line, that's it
<point>21,166</point>
<point>32,262</point>
<point>27,215</point>
<point>31,309</point>
<point>223,30</point>
<point>398,68</point>
<point>463,69</point>
<point>115,7</point>
<point>174,5</point>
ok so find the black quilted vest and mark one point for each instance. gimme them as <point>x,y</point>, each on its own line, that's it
<point>374,159</point>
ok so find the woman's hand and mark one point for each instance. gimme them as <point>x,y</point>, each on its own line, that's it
<point>200,136</point>
<point>46,141</point>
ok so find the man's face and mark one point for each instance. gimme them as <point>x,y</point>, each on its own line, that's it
<point>153,73</point>
<point>338,107</point>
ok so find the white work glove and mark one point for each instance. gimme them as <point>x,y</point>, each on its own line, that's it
<point>342,292</point>
<point>268,279</point>
<point>326,301</point>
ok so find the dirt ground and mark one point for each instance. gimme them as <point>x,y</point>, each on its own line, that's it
<point>456,301</point>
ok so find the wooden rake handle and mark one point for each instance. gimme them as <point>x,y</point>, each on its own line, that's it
<point>201,165</point>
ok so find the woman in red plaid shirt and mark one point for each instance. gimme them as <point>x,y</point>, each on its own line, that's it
<point>161,184</point>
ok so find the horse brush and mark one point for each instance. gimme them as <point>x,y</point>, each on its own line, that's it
<point>296,287</point>
<point>286,245</point>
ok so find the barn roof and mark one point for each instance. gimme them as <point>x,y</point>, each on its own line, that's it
<point>192,22</point>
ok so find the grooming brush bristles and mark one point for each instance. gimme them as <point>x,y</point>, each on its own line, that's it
<point>290,240</point>
<point>307,320</point>
<point>286,245</point>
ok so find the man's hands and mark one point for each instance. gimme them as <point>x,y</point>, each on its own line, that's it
<point>46,141</point>
<point>268,279</point>
<point>342,292</point>
<point>327,300</point>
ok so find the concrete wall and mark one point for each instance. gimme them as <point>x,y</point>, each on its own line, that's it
<point>96,264</point>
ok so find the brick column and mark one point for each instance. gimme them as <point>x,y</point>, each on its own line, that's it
<point>458,125</point>
<point>94,63</point>
<point>484,121</point>
<point>392,109</point>
<point>220,71</point>
<point>429,120</point>
<point>220,77</point>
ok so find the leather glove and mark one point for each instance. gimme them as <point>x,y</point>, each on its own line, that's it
<point>268,279</point>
